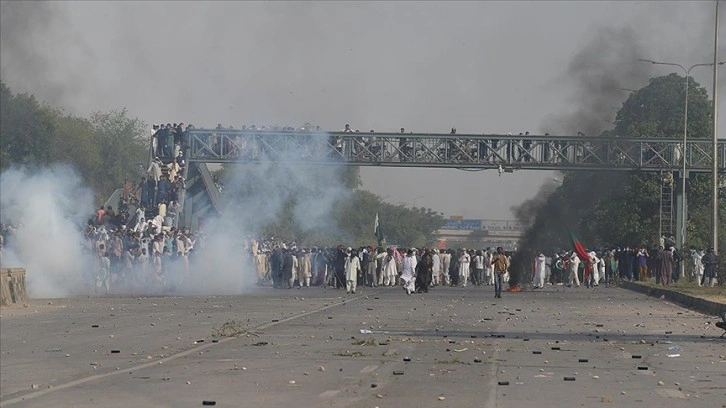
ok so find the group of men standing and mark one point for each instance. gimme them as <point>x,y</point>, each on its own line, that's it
<point>415,270</point>
<point>637,263</point>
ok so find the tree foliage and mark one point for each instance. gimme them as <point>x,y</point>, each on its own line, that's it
<point>622,208</point>
<point>104,149</point>
<point>350,215</point>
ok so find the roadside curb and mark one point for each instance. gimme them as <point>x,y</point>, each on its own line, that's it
<point>691,302</point>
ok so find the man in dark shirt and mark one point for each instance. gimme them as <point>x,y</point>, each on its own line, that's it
<point>710,265</point>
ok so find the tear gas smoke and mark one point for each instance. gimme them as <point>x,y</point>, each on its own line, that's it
<point>49,207</point>
<point>256,195</point>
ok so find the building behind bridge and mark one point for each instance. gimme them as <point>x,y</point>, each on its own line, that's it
<point>458,232</point>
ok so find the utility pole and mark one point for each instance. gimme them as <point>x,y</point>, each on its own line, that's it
<point>714,175</point>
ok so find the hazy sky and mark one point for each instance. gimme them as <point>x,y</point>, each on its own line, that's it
<point>426,66</point>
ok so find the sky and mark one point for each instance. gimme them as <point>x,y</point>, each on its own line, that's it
<point>492,67</point>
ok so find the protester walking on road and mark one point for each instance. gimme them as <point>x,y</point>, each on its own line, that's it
<point>500,263</point>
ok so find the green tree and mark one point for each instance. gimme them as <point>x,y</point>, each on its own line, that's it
<point>608,208</point>
<point>26,128</point>
<point>104,149</point>
<point>123,148</point>
<point>351,217</point>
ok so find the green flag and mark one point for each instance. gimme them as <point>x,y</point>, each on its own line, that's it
<point>378,231</point>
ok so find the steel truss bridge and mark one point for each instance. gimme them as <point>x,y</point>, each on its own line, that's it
<point>452,151</point>
<point>505,153</point>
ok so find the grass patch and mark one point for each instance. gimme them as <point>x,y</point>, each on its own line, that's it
<point>714,294</point>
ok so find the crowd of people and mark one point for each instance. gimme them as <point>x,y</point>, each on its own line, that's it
<point>147,255</point>
<point>145,247</point>
<point>615,264</point>
<point>416,270</point>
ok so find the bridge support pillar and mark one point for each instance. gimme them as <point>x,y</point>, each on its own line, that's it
<point>680,205</point>
<point>681,222</point>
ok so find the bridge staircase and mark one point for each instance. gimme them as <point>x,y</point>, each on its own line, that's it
<point>666,205</point>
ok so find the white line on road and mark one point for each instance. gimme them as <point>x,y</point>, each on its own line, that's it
<point>84,380</point>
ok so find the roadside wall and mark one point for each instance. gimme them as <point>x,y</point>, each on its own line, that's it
<point>12,287</point>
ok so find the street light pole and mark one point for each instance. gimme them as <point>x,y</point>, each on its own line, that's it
<point>714,169</point>
<point>687,71</point>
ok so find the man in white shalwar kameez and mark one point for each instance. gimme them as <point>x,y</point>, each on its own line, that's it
<point>488,258</point>
<point>594,269</point>
<point>464,260</point>
<point>436,268</point>
<point>539,271</point>
<point>352,269</point>
<point>574,265</point>
<point>445,265</point>
<point>408,274</point>
<point>391,271</point>
<point>698,267</point>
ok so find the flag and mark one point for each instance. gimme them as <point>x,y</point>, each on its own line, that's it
<point>378,232</point>
<point>579,249</point>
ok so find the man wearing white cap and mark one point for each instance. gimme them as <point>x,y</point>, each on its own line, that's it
<point>352,269</point>
<point>464,261</point>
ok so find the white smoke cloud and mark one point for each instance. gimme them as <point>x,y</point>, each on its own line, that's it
<point>220,263</point>
<point>50,207</point>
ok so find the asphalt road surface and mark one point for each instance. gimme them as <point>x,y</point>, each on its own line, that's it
<point>452,347</point>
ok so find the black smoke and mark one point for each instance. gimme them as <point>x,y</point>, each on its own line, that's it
<point>34,35</point>
<point>599,72</point>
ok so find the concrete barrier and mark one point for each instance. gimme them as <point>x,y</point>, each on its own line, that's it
<point>12,287</point>
<point>691,302</point>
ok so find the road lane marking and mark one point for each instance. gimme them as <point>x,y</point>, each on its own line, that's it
<point>71,384</point>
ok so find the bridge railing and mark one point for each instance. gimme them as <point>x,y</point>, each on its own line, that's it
<point>457,151</point>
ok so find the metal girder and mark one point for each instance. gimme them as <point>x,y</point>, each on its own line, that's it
<point>450,151</point>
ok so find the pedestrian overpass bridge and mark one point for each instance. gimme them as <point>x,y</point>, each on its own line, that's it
<point>505,153</point>
<point>530,152</point>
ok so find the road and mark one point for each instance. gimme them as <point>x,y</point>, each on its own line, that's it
<point>452,347</point>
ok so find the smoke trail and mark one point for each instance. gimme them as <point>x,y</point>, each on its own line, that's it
<point>34,35</point>
<point>302,196</point>
<point>600,72</point>
<point>50,207</point>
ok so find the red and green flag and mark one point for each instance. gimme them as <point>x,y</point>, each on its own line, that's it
<point>578,247</point>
